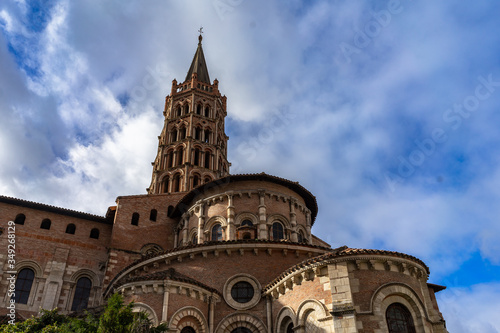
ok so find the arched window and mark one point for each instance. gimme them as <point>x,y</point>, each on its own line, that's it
<point>207,136</point>
<point>207,159</point>
<point>207,180</point>
<point>301,238</point>
<point>173,135</point>
<point>399,319</point>
<point>277,231</point>
<point>179,111</point>
<point>207,111</point>
<point>23,285</point>
<point>45,224</point>
<point>289,328</point>
<point>197,133</point>
<point>196,157</point>
<point>170,158</point>
<point>217,232</point>
<point>180,156</point>
<point>20,218</point>
<point>135,219</point>
<point>177,183</point>
<point>152,215</point>
<point>198,109</point>
<point>188,329</point>
<point>196,180</point>
<point>82,294</point>
<point>94,233</point>
<point>182,133</point>
<point>170,210</point>
<point>70,229</point>
<point>194,240</point>
<point>247,223</point>
<point>186,109</point>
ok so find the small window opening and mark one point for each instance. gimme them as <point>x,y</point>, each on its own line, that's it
<point>94,233</point>
<point>135,219</point>
<point>45,224</point>
<point>70,229</point>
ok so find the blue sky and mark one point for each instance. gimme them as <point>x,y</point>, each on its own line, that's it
<point>386,111</point>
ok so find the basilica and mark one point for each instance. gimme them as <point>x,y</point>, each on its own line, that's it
<point>207,251</point>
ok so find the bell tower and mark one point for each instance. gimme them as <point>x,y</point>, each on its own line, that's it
<point>192,147</point>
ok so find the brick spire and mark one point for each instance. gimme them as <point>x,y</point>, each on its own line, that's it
<point>192,147</point>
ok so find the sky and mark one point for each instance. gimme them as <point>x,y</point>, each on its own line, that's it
<point>385,110</point>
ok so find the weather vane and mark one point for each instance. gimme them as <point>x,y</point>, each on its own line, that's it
<point>201,30</point>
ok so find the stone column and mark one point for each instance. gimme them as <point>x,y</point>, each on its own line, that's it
<point>201,222</point>
<point>293,220</point>
<point>308,226</point>
<point>344,318</point>
<point>166,293</point>
<point>263,234</point>
<point>269,308</point>
<point>185,241</point>
<point>231,230</point>
<point>211,316</point>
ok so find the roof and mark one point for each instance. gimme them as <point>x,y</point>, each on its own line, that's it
<point>436,287</point>
<point>342,251</point>
<point>309,199</point>
<point>169,274</point>
<point>54,209</point>
<point>199,65</point>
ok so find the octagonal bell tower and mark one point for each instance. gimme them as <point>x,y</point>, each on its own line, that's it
<point>192,147</point>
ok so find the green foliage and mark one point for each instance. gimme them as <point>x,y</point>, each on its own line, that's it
<point>116,318</point>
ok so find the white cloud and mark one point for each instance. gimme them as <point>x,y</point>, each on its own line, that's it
<point>471,310</point>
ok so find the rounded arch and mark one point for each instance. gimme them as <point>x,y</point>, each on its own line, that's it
<point>150,249</point>
<point>279,218</point>
<point>142,307</point>
<point>214,220</point>
<point>37,269</point>
<point>401,293</point>
<point>233,321</point>
<point>310,306</point>
<point>246,216</point>
<point>305,237</point>
<point>86,273</point>
<point>188,316</point>
<point>192,234</point>
<point>285,316</point>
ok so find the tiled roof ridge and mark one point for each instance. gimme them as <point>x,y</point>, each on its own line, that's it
<point>342,251</point>
<point>51,208</point>
<point>171,274</point>
<point>193,246</point>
